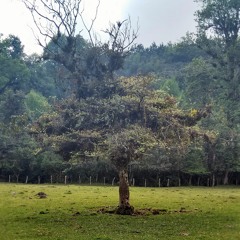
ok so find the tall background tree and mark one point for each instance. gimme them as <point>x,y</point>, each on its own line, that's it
<point>218,36</point>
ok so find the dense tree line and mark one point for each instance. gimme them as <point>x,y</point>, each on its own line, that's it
<point>166,114</point>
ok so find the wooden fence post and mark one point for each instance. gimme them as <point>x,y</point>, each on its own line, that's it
<point>113,181</point>
<point>198,181</point>
<point>168,182</point>
<point>65,179</point>
<point>79,179</point>
<point>97,178</point>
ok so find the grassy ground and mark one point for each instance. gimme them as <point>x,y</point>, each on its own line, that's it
<point>71,212</point>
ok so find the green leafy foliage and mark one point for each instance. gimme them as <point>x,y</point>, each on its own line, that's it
<point>17,148</point>
<point>36,104</point>
<point>13,71</point>
<point>121,128</point>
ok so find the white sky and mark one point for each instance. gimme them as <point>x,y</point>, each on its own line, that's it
<point>160,21</point>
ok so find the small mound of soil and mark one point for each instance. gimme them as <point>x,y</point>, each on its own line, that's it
<point>107,210</point>
<point>150,211</point>
<point>76,214</point>
<point>41,195</point>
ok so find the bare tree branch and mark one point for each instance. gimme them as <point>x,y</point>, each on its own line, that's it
<point>121,35</point>
<point>56,23</point>
<point>54,17</point>
<point>57,17</point>
<point>89,29</point>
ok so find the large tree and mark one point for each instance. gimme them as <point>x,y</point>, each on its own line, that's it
<point>116,119</point>
<point>126,127</point>
<point>218,35</point>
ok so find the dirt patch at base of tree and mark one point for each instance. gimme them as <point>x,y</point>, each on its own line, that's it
<point>146,211</point>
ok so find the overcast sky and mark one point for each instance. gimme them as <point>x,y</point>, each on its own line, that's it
<point>160,21</point>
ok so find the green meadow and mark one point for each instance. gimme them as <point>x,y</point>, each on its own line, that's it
<point>84,212</point>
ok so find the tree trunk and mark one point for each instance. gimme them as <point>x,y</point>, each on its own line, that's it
<point>213,180</point>
<point>198,181</point>
<point>190,181</point>
<point>124,207</point>
<point>225,180</point>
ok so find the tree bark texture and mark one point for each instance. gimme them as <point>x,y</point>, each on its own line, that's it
<point>124,207</point>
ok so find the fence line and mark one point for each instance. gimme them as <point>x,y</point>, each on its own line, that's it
<point>144,182</point>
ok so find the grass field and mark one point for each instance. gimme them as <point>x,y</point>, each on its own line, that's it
<point>72,212</point>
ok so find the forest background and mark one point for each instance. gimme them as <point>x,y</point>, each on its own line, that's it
<point>65,113</point>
